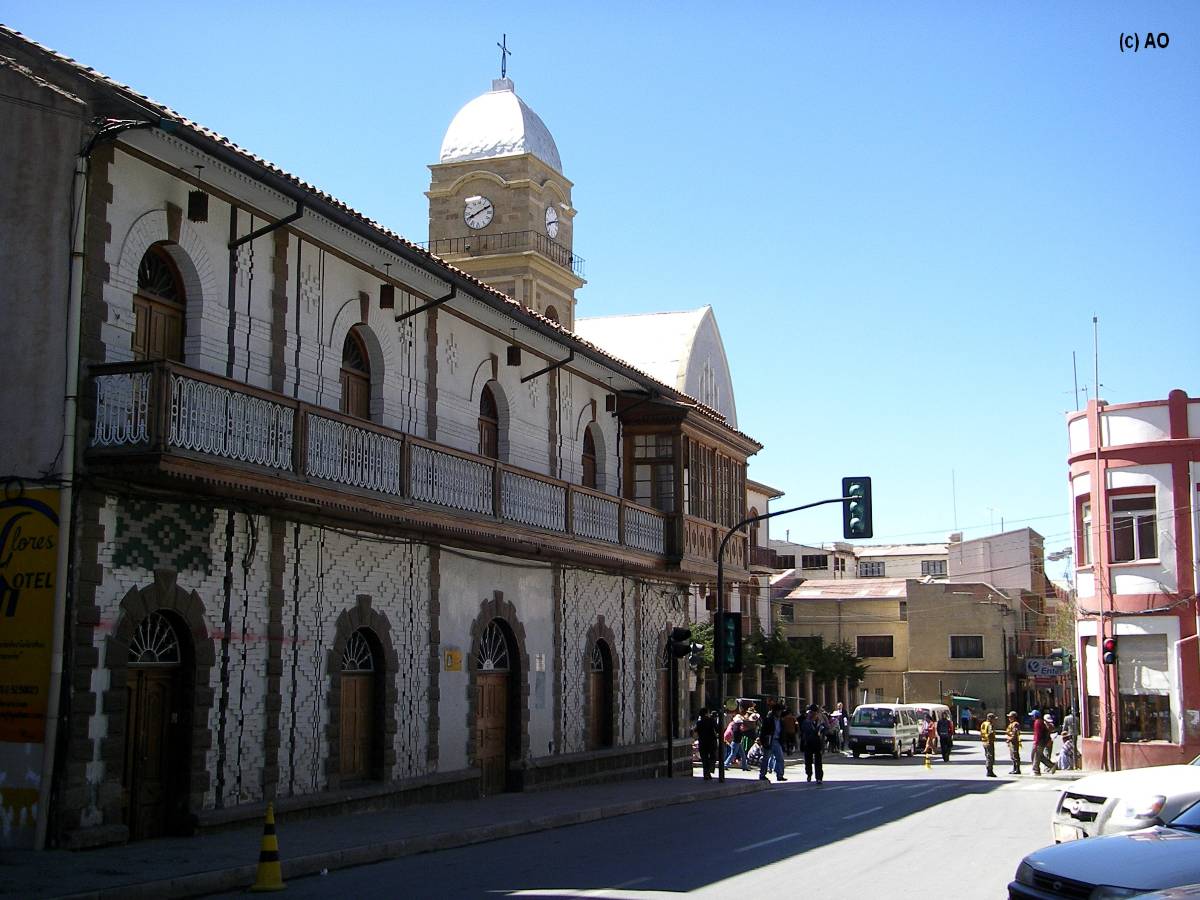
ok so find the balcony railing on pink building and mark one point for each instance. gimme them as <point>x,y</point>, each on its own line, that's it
<point>163,407</point>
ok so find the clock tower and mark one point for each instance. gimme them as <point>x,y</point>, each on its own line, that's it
<point>500,208</point>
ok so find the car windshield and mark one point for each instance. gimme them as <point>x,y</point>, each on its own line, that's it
<point>1189,819</point>
<point>874,718</point>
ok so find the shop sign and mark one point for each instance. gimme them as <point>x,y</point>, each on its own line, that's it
<point>1041,667</point>
<point>28,560</point>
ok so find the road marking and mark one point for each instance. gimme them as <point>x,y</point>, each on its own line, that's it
<point>774,840</point>
<point>927,791</point>
<point>863,813</point>
<point>631,882</point>
<point>862,787</point>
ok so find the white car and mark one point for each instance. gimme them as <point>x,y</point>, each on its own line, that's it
<point>1112,802</point>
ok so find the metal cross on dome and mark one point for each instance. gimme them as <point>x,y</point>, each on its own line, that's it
<point>504,54</point>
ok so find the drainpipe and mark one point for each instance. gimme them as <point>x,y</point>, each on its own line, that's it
<point>66,509</point>
<point>66,505</point>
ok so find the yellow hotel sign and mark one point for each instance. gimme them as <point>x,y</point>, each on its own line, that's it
<point>28,557</point>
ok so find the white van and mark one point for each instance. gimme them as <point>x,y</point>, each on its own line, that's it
<point>883,728</point>
<point>930,711</point>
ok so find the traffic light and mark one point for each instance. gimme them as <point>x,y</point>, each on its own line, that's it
<point>727,629</point>
<point>696,655</point>
<point>1110,651</point>
<point>1058,658</point>
<point>680,642</point>
<point>856,508</point>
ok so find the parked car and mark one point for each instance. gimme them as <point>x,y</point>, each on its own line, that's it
<point>1114,865</point>
<point>1112,802</point>
<point>883,728</point>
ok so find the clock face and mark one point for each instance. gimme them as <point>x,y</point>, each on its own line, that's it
<point>478,212</point>
<point>551,222</point>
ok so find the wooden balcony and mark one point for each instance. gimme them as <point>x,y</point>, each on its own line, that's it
<point>159,421</point>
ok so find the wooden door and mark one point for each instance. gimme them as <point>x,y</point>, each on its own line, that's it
<point>357,721</point>
<point>158,329</point>
<point>596,710</point>
<point>491,734</point>
<point>356,394</point>
<point>149,768</point>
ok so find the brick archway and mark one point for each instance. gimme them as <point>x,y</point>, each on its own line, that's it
<point>197,699</point>
<point>600,631</point>
<point>361,616</point>
<point>496,607</point>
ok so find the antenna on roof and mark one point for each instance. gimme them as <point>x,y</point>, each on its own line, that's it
<point>504,54</point>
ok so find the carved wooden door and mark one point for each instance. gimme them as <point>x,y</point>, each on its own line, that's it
<point>356,723</point>
<point>491,737</point>
<point>148,764</point>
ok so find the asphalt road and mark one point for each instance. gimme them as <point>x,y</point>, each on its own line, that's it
<point>877,827</point>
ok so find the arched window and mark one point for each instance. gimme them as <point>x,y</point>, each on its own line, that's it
<point>753,528</point>
<point>589,459</point>
<point>552,314</point>
<point>356,376</point>
<point>158,308</point>
<point>489,424</point>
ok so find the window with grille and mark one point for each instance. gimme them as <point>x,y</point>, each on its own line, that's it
<point>874,645</point>
<point>814,561</point>
<point>933,567</point>
<point>966,646</point>
<point>870,570</point>
<point>1134,528</point>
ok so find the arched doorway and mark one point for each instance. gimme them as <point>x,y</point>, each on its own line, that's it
<point>356,376</point>
<point>360,676</point>
<point>589,459</point>
<point>489,424</point>
<point>156,752</point>
<point>158,308</point>
<point>495,732</point>
<point>600,697</point>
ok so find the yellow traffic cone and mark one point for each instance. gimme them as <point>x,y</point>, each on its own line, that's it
<point>928,761</point>
<point>270,876</point>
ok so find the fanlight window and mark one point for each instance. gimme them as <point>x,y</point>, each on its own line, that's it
<point>157,276</point>
<point>493,650</point>
<point>357,656</point>
<point>154,642</point>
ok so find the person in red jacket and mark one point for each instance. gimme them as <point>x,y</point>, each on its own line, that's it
<point>1041,745</point>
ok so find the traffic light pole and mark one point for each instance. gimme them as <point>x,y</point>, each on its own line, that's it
<point>721,607</point>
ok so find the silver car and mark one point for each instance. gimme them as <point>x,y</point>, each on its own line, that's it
<point>1112,802</point>
<point>1115,865</point>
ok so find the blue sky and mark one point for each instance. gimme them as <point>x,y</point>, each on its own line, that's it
<point>904,219</point>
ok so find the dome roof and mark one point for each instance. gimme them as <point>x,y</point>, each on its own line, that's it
<point>498,123</point>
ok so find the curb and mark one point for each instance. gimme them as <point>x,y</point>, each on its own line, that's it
<point>239,878</point>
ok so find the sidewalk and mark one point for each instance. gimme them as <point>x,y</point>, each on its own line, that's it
<point>228,860</point>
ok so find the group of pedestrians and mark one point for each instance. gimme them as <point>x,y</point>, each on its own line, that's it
<point>762,739</point>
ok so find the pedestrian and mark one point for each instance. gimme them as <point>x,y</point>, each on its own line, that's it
<point>708,740</point>
<point>788,735</point>
<point>930,733</point>
<point>1069,731</point>
<point>965,716</point>
<point>733,737</point>
<point>1012,734</point>
<point>945,735</point>
<point>837,727</point>
<point>987,737</point>
<point>812,742</point>
<point>1042,738</point>
<point>769,728</point>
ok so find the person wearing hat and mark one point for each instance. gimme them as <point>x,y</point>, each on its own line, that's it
<point>1042,736</point>
<point>987,737</point>
<point>1013,735</point>
<point>812,742</point>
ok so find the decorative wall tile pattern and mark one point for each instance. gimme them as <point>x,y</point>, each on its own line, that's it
<point>324,571</point>
<point>151,535</point>
<point>585,597</point>
<point>662,605</point>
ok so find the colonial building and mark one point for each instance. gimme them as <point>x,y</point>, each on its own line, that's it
<point>1135,474</point>
<point>331,518</point>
